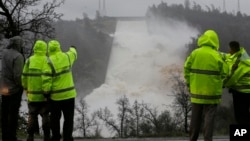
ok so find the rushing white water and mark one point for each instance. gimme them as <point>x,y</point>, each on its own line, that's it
<point>136,61</point>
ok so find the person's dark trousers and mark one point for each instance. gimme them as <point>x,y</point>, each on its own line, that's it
<point>241,103</point>
<point>67,108</point>
<point>10,111</point>
<point>200,113</point>
<point>35,109</point>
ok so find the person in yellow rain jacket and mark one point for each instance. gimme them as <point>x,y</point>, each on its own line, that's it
<point>238,82</point>
<point>204,72</point>
<point>32,84</point>
<point>58,83</point>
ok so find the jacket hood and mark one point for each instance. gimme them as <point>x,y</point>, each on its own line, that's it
<point>209,38</point>
<point>40,47</point>
<point>16,43</point>
<point>244,56</point>
<point>54,47</point>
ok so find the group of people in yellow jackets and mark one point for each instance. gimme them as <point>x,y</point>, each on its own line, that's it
<point>207,71</point>
<point>48,82</point>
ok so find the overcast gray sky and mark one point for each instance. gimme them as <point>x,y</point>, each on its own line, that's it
<point>73,9</point>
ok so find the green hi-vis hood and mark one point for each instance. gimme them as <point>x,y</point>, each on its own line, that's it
<point>209,38</point>
<point>54,47</point>
<point>40,47</point>
<point>244,56</point>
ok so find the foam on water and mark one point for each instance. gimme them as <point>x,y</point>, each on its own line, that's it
<point>136,61</point>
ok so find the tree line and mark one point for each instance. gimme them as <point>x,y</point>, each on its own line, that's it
<point>229,26</point>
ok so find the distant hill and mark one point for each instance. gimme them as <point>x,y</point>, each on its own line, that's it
<point>229,26</point>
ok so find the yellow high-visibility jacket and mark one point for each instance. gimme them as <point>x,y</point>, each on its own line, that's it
<point>205,70</point>
<point>58,78</point>
<point>32,72</point>
<point>239,78</point>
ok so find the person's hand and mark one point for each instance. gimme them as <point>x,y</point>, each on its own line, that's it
<point>4,91</point>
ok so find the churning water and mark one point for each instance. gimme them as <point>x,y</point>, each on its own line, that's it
<point>136,61</point>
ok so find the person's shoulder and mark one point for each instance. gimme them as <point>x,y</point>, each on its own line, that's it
<point>196,50</point>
